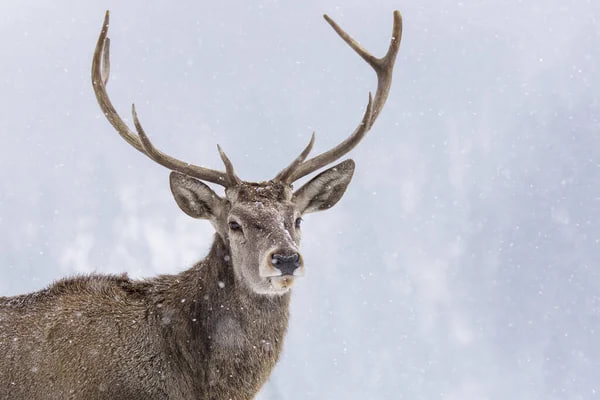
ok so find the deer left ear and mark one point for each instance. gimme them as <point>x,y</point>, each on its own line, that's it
<point>324,190</point>
<point>193,197</point>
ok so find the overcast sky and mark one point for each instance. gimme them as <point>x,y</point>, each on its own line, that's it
<point>463,261</point>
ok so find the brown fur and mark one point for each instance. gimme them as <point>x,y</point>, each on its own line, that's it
<point>178,337</point>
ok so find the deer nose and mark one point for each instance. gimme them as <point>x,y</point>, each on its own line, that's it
<point>286,263</point>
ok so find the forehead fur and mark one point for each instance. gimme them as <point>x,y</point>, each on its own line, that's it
<point>266,192</point>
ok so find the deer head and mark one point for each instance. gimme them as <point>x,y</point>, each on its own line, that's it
<point>259,222</point>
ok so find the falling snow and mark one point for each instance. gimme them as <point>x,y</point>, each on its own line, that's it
<point>462,263</point>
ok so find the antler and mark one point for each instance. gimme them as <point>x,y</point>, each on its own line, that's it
<point>141,142</point>
<point>383,67</point>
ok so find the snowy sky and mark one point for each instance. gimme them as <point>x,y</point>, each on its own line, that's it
<point>462,263</point>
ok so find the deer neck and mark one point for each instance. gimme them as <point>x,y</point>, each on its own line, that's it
<point>208,297</point>
<point>219,326</point>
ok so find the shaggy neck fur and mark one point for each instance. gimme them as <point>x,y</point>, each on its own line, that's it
<point>238,334</point>
<point>217,328</point>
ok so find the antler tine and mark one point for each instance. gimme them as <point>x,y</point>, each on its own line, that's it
<point>176,165</point>
<point>141,142</point>
<point>329,156</point>
<point>284,175</point>
<point>383,68</point>
<point>232,177</point>
<point>99,80</point>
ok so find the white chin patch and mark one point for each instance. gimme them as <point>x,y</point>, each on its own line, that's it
<point>282,283</point>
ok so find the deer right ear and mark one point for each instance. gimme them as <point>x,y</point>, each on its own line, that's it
<point>324,190</point>
<point>195,198</point>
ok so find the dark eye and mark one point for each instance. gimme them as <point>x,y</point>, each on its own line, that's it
<point>234,226</point>
<point>298,222</point>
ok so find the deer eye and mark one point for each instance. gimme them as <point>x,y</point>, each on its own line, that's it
<point>234,226</point>
<point>298,222</point>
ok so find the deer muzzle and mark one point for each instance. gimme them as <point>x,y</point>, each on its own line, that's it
<point>284,263</point>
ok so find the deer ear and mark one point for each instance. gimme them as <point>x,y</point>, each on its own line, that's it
<point>324,190</point>
<point>194,197</point>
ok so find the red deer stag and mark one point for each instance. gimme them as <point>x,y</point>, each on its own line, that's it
<point>214,331</point>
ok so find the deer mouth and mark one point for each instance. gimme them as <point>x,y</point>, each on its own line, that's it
<point>281,283</point>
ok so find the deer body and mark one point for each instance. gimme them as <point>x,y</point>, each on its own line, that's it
<point>213,332</point>
<point>196,335</point>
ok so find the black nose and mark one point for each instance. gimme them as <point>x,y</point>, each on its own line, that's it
<point>286,263</point>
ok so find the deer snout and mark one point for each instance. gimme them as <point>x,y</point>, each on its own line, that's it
<point>289,263</point>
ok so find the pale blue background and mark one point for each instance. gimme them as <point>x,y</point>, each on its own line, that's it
<point>463,262</point>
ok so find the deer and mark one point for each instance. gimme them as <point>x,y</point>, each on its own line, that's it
<point>214,331</point>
